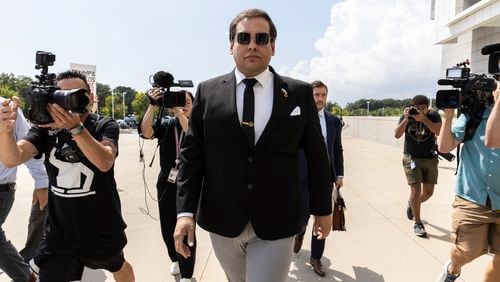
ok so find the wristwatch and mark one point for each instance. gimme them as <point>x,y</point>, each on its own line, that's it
<point>76,130</point>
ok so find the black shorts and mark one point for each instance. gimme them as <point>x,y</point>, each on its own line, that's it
<point>63,268</point>
<point>62,262</point>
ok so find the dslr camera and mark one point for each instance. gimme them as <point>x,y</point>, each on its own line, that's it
<point>413,111</point>
<point>44,91</point>
<point>471,91</point>
<point>169,99</point>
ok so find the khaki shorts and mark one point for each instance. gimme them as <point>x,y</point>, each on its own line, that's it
<point>475,229</point>
<point>425,170</point>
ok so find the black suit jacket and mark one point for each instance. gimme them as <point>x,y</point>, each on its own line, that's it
<point>227,183</point>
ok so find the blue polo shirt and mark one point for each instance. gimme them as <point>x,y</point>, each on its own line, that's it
<point>479,171</point>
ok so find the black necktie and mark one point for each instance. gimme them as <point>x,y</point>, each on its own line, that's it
<point>248,110</point>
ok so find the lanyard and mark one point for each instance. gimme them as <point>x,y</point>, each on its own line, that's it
<point>178,142</point>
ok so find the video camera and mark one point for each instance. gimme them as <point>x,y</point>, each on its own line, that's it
<point>474,90</point>
<point>44,91</point>
<point>170,99</point>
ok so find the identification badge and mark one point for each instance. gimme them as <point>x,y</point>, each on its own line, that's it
<point>172,176</point>
<point>413,165</point>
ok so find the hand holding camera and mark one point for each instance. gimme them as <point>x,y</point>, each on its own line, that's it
<point>164,81</point>
<point>154,95</point>
<point>8,114</point>
<point>62,117</point>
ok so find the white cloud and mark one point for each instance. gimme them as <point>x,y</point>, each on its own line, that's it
<point>375,49</point>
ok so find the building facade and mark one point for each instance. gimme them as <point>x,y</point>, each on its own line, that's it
<point>463,27</point>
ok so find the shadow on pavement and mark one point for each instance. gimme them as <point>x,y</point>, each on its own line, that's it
<point>304,272</point>
<point>446,233</point>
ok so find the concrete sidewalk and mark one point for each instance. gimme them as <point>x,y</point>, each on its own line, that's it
<point>379,244</point>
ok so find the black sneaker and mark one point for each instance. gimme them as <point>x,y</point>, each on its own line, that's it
<point>409,211</point>
<point>419,230</point>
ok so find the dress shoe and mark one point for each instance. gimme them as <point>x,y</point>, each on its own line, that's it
<point>317,266</point>
<point>298,243</point>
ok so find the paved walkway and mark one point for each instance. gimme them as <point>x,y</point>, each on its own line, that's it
<point>379,244</point>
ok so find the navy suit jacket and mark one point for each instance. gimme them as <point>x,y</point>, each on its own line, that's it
<point>335,157</point>
<point>334,144</point>
<point>334,148</point>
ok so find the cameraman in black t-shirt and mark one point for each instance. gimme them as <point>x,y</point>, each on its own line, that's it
<point>420,160</point>
<point>85,226</point>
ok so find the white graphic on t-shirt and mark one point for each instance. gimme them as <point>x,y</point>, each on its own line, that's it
<point>419,132</point>
<point>69,178</point>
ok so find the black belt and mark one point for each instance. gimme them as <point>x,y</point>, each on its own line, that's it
<point>6,187</point>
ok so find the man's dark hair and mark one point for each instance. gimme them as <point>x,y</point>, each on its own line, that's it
<point>249,14</point>
<point>420,99</point>
<point>74,74</point>
<point>319,83</point>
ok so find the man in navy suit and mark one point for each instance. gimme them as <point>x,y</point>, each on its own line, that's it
<point>238,172</point>
<point>331,127</point>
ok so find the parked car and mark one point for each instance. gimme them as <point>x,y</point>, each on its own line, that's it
<point>123,124</point>
<point>131,121</point>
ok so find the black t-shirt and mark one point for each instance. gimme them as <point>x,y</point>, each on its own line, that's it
<point>165,134</point>
<point>419,140</point>
<point>85,211</point>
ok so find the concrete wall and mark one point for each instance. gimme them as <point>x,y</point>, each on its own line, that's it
<point>375,129</point>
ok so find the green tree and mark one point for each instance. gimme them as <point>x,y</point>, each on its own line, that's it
<point>333,108</point>
<point>103,91</point>
<point>18,84</point>
<point>107,110</point>
<point>140,104</point>
<point>129,97</point>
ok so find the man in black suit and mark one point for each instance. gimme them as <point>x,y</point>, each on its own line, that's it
<point>238,170</point>
<point>331,127</point>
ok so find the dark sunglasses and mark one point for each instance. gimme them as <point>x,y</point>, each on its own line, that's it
<point>245,38</point>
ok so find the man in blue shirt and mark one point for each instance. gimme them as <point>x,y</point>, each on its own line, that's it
<point>476,216</point>
<point>492,135</point>
<point>10,260</point>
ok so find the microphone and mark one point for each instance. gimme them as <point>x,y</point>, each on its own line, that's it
<point>445,82</point>
<point>163,79</point>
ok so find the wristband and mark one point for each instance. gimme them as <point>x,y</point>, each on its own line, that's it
<point>76,130</point>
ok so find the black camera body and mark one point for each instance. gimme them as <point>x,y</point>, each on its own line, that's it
<point>472,91</point>
<point>44,91</point>
<point>413,111</point>
<point>169,99</point>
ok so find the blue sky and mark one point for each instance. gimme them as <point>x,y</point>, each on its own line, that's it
<point>360,48</point>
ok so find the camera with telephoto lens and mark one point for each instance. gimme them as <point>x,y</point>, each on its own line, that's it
<point>44,91</point>
<point>169,99</point>
<point>472,91</point>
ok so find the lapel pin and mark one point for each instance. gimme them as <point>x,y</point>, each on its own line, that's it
<point>285,94</point>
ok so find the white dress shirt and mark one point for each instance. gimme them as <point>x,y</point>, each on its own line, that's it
<point>36,167</point>
<point>322,122</point>
<point>264,98</point>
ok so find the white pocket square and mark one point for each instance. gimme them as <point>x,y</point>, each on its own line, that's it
<point>295,112</point>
